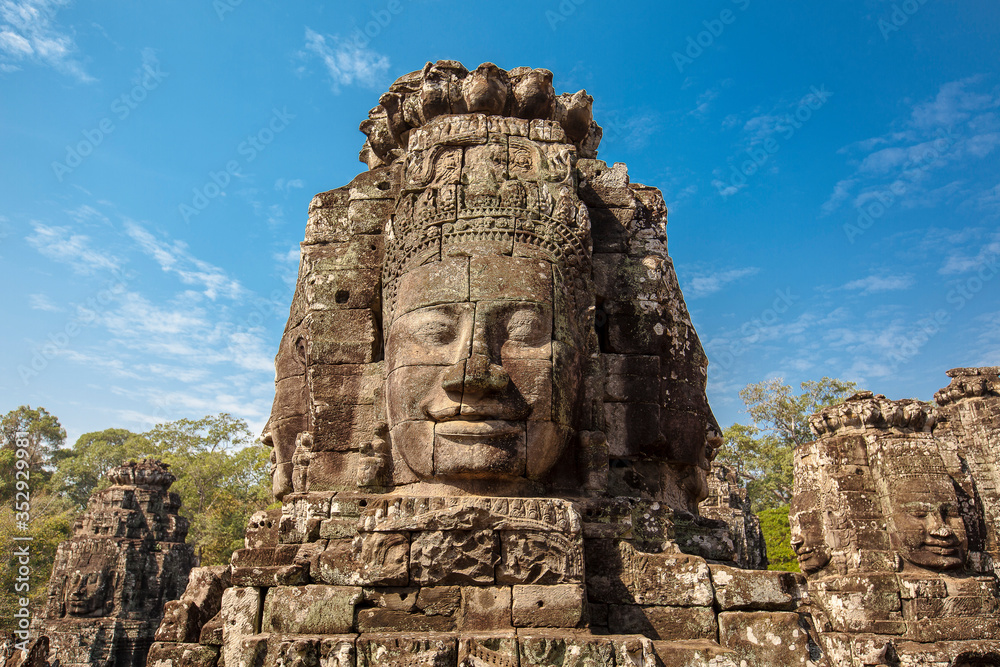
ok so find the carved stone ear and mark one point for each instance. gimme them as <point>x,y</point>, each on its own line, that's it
<point>373,466</point>
<point>300,349</point>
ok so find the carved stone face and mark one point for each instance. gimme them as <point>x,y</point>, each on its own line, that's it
<point>288,412</point>
<point>86,593</point>
<point>481,378</point>
<point>926,527</point>
<point>808,538</point>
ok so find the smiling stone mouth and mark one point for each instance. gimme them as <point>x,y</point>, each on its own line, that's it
<point>478,429</point>
<point>944,550</point>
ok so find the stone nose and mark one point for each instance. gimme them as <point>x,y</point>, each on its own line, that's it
<point>476,375</point>
<point>939,525</point>
<point>483,376</point>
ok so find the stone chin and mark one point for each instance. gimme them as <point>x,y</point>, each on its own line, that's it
<point>812,560</point>
<point>481,449</point>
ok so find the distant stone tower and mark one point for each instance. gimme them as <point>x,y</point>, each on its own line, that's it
<point>127,557</point>
<point>894,521</point>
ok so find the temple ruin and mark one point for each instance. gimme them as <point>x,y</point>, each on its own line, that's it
<point>110,581</point>
<point>492,445</point>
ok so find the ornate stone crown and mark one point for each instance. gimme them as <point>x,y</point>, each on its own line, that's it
<point>484,185</point>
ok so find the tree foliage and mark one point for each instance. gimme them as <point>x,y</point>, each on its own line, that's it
<point>777,537</point>
<point>222,478</point>
<point>761,453</point>
<point>81,469</point>
<point>773,408</point>
<point>222,474</point>
<point>763,463</point>
<point>45,433</point>
<point>52,517</point>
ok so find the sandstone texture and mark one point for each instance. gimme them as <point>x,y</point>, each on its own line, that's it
<point>126,560</point>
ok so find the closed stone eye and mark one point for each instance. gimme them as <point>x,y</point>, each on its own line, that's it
<point>435,332</point>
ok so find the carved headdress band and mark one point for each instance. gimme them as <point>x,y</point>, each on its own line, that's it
<point>479,184</point>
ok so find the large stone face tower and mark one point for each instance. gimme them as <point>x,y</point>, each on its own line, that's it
<point>490,401</point>
<point>487,255</point>
<point>126,558</point>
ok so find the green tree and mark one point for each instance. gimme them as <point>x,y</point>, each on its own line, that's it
<point>45,434</point>
<point>52,517</point>
<point>773,408</point>
<point>763,463</point>
<point>761,453</point>
<point>777,538</point>
<point>81,470</point>
<point>222,478</point>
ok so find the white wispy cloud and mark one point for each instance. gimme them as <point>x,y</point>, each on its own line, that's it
<point>175,258</point>
<point>841,193</point>
<point>881,283</point>
<point>703,284</point>
<point>29,33</point>
<point>983,253</point>
<point>959,126</point>
<point>346,62</point>
<point>632,128</point>
<point>989,199</point>
<point>287,185</point>
<point>703,103</point>
<point>63,245</point>
<point>727,189</point>
<point>288,265</point>
<point>43,302</point>
<point>954,104</point>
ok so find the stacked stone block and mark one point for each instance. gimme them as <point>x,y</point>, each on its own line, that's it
<point>110,581</point>
<point>893,522</point>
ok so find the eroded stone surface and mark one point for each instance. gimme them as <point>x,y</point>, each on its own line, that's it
<point>126,560</point>
<point>893,520</point>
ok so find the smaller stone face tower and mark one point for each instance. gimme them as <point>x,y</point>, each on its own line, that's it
<point>127,557</point>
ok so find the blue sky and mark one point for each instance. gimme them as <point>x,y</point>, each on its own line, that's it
<point>831,172</point>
